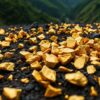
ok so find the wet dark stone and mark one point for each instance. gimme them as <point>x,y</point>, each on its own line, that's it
<point>82,25</point>
<point>35,25</point>
<point>91,80</point>
<point>29,87</point>
<point>2,37</point>
<point>46,27</point>
<point>27,28</point>
<point>95,35</point>
<point>85,35</point>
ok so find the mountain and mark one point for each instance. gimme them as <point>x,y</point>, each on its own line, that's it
<point>74,3</point>
<point>44,11</point>
<point>88,12</point>
<point>22,11</point>
<point>28,11</point>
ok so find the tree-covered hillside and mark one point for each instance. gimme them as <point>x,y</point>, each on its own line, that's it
<point>27,11</point>
<point>44,11</point>
<point>88,12</point>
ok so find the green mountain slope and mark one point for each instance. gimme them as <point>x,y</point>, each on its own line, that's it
<point>28,11</point>
<point>22,11</point>
<point>88,12</point>
<point>44,11</point>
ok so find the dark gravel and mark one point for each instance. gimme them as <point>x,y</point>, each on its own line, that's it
<point>33,90</point>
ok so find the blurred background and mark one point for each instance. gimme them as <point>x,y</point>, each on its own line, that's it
<point>44,11</point>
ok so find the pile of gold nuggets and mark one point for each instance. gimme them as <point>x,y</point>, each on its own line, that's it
<point>50,51</point>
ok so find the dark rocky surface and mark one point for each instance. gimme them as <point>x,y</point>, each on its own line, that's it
<point>33,90</point>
